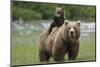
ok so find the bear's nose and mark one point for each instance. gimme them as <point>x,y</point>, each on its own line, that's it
<point>72,33</point>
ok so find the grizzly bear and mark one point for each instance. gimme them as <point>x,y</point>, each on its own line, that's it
<point>58,18</point>
<point>62,40</point>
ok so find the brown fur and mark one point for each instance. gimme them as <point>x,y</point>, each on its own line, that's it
<point>58,18</point>
<point>58,43</point>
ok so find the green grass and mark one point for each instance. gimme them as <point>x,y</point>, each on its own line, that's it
<point>24,49</point>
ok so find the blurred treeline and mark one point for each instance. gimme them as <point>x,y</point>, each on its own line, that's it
<point>45,11</point>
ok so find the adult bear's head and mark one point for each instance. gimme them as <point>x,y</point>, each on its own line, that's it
<point>71,30</point>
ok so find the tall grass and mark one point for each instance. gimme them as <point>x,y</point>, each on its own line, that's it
<point>25,51</point>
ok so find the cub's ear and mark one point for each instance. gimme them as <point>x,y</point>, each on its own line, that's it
<point>56,7</point>
<point>63,7</point>
<point>66,22</point>
<point>78,22</point>
<point>60,7</point>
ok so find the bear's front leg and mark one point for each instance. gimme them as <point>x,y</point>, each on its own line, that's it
<point>58,54</point>
<point>43,56</point>
<point>73,51</point>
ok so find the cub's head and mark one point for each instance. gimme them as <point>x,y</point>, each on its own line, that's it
<point>71,30</point>
<point>59,12</point>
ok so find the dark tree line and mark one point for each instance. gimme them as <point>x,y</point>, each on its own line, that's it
<point>38,11</point>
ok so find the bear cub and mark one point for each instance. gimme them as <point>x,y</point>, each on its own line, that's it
<point>58,18</point>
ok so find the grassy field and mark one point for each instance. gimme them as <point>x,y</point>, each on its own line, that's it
<point>24,49</point>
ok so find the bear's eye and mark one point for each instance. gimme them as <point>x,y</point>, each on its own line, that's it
<point>74,27</point>
<point>69,28</point>
<point>58,12</point>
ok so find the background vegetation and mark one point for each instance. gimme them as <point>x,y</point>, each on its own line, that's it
<point>45,11</point>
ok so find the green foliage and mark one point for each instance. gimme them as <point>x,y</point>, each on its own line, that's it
<point>37,11</point>
<point>26,14</point>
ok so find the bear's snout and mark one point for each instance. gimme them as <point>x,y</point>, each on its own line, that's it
<point>72,33</point>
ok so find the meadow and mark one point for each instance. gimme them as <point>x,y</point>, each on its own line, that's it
<point>24,49</point>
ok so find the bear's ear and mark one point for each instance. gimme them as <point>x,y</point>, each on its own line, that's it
<point>78,22</point>
<point>56,7</point>
<point>62,7</point>
<point>66,22</point>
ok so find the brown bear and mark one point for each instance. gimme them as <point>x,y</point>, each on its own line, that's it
<point>58,18</point>
<point>62,40</point>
